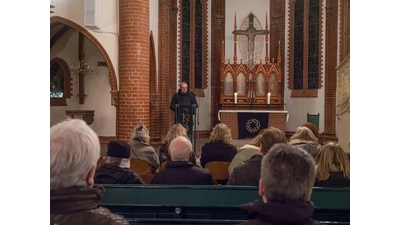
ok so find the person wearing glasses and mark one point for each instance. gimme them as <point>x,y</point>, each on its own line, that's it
<point>184,96</point>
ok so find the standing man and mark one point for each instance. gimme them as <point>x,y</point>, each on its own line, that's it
<point>183,97</point>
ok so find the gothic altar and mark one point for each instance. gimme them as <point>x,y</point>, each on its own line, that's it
<point>252,83</point>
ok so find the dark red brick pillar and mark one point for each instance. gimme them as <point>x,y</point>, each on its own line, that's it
<point>134,45</point>
<point>331,11</point>
<point>218,35</point>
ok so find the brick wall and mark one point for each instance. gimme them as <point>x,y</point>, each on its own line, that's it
<point>344,29</point>
<point>277,120</point>
<point>134,96</point>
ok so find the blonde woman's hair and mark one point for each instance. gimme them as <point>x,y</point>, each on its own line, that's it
<point>174,131</point>
<point>256,141</point>
<point>305,134</point>
<point>332,158</point>
<point>221,132</point>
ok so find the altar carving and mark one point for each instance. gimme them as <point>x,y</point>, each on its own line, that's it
<point>257,84</point>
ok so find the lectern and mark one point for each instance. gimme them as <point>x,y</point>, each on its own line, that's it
<point>186,115</point>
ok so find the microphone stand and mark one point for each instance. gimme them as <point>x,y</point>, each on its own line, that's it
<point>198,123</point>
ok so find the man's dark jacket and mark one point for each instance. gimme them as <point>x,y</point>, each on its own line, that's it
<point>113,174</point>
<point>182,172</point>
<point>276,213</point>
<point>248,173</point>
<point>78,206</point>
<point>181,98</point>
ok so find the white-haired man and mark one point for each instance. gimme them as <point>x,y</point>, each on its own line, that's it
<point>287,178</point>
<point>74,151</point>
<point>179,170</point>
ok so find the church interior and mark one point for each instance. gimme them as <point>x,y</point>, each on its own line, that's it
<point>117,64</point>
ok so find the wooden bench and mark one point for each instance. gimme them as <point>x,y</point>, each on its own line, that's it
<point>187,204</point>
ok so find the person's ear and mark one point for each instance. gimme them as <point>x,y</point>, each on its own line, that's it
<point>260,188</point>
<point>190,156</point>
<point>90,176</point>
<point>261,191</point>
<point>261,149</point>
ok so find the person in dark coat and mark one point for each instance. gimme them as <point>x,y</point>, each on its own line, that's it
<point>249,173</point>
<point>183,97</point>
<point>219,147</point>
<point>115,168</point>
<point>179,170</point>
<point>74,150</point>
<point>287,178</point>
<point>333,166</point>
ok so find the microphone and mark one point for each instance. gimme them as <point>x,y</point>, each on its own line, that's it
<point>193,93</point>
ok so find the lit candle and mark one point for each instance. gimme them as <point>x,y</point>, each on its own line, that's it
<point>269,98</point>
<point>235,98</point>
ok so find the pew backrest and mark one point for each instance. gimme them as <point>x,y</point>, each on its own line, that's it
<point>208,204</point>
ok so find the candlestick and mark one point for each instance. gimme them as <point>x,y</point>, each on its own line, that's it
<point>269,98</point>
<point>235,98</point>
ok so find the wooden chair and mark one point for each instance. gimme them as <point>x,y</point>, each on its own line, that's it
<point>146,178</point>
<point>140,166</point>
<point>219,170</point>
<point>99,161</point>
<point>163,164</point>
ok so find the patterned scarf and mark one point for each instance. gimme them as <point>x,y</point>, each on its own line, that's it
<point>121,162</point>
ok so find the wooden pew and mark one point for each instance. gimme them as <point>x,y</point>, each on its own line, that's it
<point>187,204</point>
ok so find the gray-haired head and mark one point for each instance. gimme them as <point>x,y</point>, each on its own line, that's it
<point>141,133</point>
<point>287,173</point>
<point>74,151</point>
<point>180,149</point>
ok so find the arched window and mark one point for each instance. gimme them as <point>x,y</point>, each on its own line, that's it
<point>305,51</point>
<point>193,44</point>
<point>60,82</point>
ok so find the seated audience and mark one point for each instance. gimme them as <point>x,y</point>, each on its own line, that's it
<point>74,150</point>
<point>333,166</point>
<point>173,132</point>
<point>304,138</point>
<point>246,152</point>
<point>315,131</point>
<point>287,177</point>
<point>141,149</point>
<point>219,147</point>
<point>249,173</point>
<point>179,170</point>
<point>115,169</point>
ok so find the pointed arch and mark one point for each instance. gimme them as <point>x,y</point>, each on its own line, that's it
<point>54,20</point>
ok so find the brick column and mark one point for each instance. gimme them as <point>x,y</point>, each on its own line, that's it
<point>277,33</point>
<point>330,68</point>
<point>134,96</point>
<point>218,35</point>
